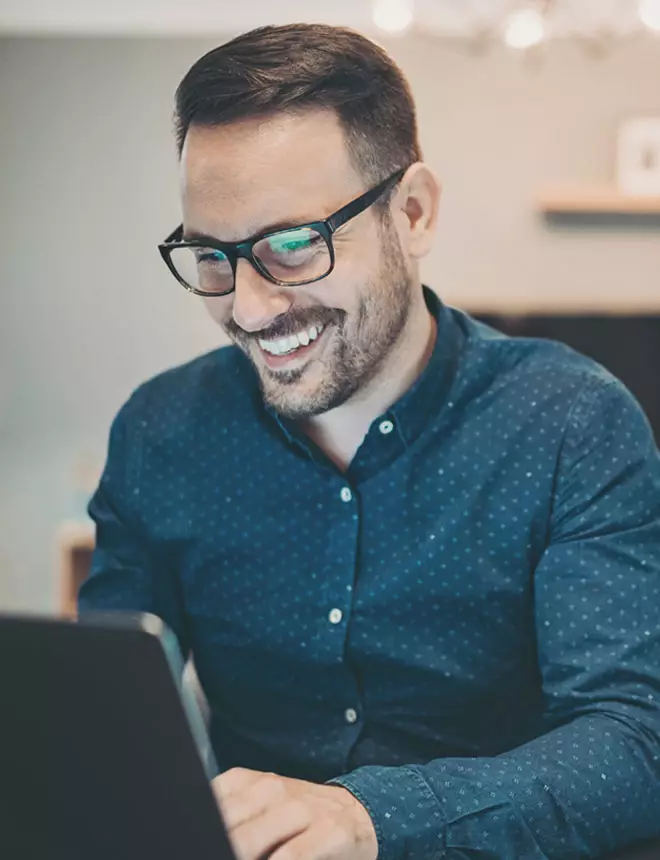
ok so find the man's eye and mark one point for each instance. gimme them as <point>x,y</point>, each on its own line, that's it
<point>208,256</point>
<point>295,246</point>
<point>291,243</point>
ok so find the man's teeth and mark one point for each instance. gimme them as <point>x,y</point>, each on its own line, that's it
<point>291,344</point>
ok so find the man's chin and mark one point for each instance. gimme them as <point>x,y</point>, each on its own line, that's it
<point>307,399</point>
<point>296,402</point>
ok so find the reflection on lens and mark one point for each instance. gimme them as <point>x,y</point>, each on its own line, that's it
<point>294,255</point>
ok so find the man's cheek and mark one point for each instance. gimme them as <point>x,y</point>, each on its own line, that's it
<point>219,309</point>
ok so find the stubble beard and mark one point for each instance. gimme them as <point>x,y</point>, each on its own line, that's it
<point>358,351</point>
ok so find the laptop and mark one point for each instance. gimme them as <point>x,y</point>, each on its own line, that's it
<point>104,752</point>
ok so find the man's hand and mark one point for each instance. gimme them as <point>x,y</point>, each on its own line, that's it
<point>278,818</point>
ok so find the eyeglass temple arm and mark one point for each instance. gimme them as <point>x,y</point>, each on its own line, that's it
<point>339,218</point>
<point>356,206</point>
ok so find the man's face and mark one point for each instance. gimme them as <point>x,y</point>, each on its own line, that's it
<point>251,176</point>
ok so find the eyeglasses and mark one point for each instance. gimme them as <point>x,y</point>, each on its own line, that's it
<point>290,257</point>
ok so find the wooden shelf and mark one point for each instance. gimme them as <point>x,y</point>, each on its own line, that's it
<point>75,544</point>
<point>602,201</point>
<point>76,535</point>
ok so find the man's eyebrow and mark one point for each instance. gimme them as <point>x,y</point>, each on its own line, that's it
<point>196,236</point>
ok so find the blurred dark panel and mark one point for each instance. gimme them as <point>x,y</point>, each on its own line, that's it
<point>639,851</point>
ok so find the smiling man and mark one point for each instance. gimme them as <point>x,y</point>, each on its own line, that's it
<point>417,563</point>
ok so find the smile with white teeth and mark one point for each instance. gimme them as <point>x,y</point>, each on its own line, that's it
<point>290,344</point>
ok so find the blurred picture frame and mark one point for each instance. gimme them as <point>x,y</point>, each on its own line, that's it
<point>638,157</point>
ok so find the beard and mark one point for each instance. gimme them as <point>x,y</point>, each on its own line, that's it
<point>358,348</point>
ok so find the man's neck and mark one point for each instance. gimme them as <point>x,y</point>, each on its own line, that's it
<point>340,432</point>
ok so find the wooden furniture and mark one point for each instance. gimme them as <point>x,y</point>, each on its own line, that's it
<point>75,544</point>
<point>604,200</point>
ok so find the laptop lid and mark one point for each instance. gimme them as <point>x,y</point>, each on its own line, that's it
<point>99,756</point>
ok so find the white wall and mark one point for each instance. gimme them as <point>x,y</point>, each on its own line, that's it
<point>88,187</point>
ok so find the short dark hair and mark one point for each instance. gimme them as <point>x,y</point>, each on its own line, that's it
<point>303,66</point>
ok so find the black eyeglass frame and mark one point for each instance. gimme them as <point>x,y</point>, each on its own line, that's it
<point>237,250</point>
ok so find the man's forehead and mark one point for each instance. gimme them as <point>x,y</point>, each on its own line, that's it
<point>239,179</point>
<point>282,145</point>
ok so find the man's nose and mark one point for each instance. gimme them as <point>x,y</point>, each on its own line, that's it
<point>257,302</point>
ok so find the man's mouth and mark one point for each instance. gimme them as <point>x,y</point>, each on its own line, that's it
<point>284,351</point>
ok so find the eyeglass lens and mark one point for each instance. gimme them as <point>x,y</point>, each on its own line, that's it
<point>290,256</point>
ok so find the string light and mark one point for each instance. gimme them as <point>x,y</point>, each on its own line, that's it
<point>393,16</point>
<point>524,29</point>
<point>649,13</point>
<point>531,24</point>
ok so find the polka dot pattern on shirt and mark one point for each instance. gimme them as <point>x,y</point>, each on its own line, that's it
<point>463,629</point>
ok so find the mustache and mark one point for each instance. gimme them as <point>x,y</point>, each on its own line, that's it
<point>286,326</point>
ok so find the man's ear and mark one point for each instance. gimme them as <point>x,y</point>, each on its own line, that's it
<point>416,209</point>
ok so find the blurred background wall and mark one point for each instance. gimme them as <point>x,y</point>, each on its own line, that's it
<point>88,186</point>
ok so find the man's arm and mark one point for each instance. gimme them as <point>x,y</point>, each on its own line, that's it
<point>126,573</point>
<point>592,782</point>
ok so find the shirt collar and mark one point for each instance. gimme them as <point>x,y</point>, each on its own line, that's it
<point>423,401</point>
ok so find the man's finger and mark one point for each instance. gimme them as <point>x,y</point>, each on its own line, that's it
<point>253,799</point>
<point>236,779</point>
<point>258,837</point>
<point>316,843</point>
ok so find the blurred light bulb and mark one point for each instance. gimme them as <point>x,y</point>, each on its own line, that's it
<point>393,16</point>
<point>524,29</point>
<point>649,13</point>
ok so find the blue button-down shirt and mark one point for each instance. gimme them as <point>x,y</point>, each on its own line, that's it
<point>463,629</point>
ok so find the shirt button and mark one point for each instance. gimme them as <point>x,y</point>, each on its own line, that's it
<point>350,715</point>
<point>335,616</point>
<point>386,427</point>
<point>346,495</point>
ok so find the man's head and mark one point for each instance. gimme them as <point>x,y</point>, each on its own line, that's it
<point>281,127</point>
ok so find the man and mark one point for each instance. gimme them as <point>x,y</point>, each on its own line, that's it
<point>417,563</point>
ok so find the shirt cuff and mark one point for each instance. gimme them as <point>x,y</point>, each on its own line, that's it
<point>405,812</point>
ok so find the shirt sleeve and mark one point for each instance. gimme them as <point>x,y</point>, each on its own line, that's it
<point>126,571</point>
<point>591,783</point>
